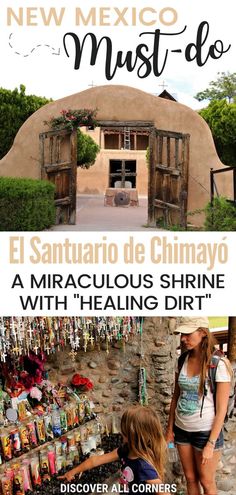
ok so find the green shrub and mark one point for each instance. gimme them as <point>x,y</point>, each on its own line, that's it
<point>26,204</point>
<point>15,108</point>
<point>221,216</point>
<point>87,150</point>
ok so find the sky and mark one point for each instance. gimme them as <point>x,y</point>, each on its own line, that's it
<point>33,54</point>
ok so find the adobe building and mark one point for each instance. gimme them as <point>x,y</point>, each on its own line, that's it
<point>181,150</point>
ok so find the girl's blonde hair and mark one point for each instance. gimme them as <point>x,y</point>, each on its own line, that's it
<point>142,428</point>
<point>207,349</point>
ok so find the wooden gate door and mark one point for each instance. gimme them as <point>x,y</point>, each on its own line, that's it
<point>168,178</point>
<point>58,155</point>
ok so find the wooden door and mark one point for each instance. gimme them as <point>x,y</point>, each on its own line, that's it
<point>58,155</point>
<point>168,178</point>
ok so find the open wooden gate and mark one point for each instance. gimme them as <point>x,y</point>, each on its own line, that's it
<point>168,178</point>
<point>58,156</point>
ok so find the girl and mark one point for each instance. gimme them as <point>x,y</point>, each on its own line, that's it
<point>143,453</point>
<point>196,419</point>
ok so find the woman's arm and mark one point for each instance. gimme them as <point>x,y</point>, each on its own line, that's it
<point>90,463</point>
<point>170,425</point>
<point>222,397</point>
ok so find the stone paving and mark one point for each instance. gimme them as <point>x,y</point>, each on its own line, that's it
<point>92,215</point>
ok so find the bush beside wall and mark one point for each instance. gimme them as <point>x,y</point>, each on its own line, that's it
<point>221,216</point>
<point>26,204</point>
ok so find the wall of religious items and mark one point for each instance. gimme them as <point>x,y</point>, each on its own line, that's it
<point>64,383</point>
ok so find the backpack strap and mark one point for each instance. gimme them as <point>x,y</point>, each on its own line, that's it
<point>181,360</point>
<point>212,369</point>
<point>215,359</point>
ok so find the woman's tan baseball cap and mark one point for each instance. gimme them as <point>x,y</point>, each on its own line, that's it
<point>190,325</point>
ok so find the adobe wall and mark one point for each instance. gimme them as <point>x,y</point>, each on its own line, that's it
<point>122,103</point>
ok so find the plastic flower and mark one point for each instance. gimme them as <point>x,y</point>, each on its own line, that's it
<point>81,382</point>
<point>35,393</point>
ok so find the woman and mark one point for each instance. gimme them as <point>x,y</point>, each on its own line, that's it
<point>196,419</point>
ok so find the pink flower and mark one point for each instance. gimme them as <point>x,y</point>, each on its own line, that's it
<point>35,393</point>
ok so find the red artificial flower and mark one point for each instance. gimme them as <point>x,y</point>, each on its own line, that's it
<point>81,382</point>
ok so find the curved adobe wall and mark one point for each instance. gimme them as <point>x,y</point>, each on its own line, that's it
<point>123,103</point>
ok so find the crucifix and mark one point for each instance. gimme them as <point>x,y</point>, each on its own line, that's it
<point>47,348</point>
<point>30,332</point>
<point>8,345</point>
<point>77,341</point>
<point>16,349</point>
<point>35,348</point>
<point>3,356</point>
<point>73,355</point>
<point>86,336</point>
<point>12,326</point>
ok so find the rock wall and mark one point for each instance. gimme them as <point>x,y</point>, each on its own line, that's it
<point>115,374</point>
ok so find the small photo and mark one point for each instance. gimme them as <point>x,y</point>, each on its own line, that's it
<point>114,404</point>
<point>115,158</point>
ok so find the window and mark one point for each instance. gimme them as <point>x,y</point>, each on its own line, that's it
<point>122,173</point>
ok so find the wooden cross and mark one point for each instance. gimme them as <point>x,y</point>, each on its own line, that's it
<point>77,341</point>
<point>73,355</point>
<point>35,348</point>
<point>16,349</point>
<point>163,85</point>
<point>8,344</point>
<point>12,326</point>
<point>86,336</point>
<point>3,356</point>
<point>91,339</point>
<point>47,348</point>
<point>92,85</point>
<point>30,332</point>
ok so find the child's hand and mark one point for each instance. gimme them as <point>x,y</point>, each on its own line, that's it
<point>69,475</point>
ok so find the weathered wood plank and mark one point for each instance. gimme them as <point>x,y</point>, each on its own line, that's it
<point>168,170</point>
<point>184,182</point>
<point>63,201</point>
<point>151,177</point>
<point>164,204</point>
<point>168,151</point>
<point>172,134</point>
<point>62,173</point>
<point>176,152</point>
<point>125,123</point>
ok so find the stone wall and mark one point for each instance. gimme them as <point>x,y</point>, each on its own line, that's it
<point>115,374</point>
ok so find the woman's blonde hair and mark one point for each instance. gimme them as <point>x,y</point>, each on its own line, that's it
<point>207,349</point>
<point>142,428</point>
